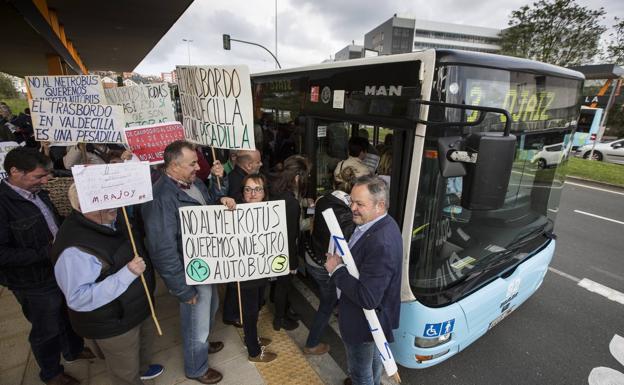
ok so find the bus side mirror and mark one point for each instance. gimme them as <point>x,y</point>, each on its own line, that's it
<point>448,167</point>
<point>486,180</point>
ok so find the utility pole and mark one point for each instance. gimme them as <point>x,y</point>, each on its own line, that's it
<point>188,49</point>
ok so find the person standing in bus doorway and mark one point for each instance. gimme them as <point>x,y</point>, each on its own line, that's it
<point>357,153</point>
<point>247,162</point>
<point>179,187</point>
<point>377,250</point>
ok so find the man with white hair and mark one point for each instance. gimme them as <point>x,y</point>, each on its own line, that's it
<point>96,269</point>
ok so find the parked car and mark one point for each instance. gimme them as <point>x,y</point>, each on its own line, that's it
<point>550,155</point>
<point>609,151</point>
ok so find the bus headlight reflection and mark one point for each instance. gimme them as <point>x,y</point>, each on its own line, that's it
<point>432,342</point>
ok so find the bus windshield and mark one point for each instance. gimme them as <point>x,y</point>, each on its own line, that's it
<point>455,250</point>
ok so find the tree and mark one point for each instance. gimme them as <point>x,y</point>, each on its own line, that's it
<point>7,90</point>
<point>559,32</point>
<point>615,49</point>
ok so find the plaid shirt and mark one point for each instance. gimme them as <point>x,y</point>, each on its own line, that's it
<point>45,210</point>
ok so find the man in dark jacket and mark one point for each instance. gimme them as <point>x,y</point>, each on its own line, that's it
<point>179,187</point>
<point>28,224</point>
<point>247,162</point>
<point>96,269</point>
<point>376,247</point>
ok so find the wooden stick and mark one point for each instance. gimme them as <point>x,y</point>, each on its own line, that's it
<point>396,377</point>
<point>147,293</point>
<point>83,152</point>
<point>240,304</point>
<point>214,157</point>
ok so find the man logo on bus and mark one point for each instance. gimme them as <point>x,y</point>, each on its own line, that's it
<point>383,90</point>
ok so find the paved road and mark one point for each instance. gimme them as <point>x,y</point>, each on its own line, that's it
<point>560,334</point>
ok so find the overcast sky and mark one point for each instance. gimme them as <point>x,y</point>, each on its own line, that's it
<point>308,32</point>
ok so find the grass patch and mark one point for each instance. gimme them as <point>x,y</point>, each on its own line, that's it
<point>16,105</point>
<point>595,171</point>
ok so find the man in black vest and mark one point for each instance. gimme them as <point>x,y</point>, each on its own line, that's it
<point>28,224</point>
<point>97,271</point>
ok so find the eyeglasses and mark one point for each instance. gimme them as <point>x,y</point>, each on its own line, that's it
<point>250,190</point>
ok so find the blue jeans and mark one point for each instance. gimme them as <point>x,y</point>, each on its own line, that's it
<point>364,363</point>
<point>327,301</point>
<point>195,321</point>
<point>51,334</point>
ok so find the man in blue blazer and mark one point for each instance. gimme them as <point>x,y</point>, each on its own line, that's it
<point>377,250</point>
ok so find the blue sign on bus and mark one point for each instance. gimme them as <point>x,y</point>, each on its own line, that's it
<point>436,330</point>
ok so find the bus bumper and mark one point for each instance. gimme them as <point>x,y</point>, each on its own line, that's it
<point>467,319</point>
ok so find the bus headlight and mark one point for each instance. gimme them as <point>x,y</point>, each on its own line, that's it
<point>432,342</point>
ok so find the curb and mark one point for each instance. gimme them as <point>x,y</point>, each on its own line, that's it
<point>593,182</point>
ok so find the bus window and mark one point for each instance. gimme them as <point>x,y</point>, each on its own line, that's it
<point>282,136</point>
<point>333,138</point>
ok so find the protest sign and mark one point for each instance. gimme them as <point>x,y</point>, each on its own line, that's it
<point>71,88</point>
<point>68,123</point>
<point>106,186</point>
<point>149,142</point>
<point>217,107</point>
<point>144,104</point>
<point>221,245</point>
<point>5,147</point>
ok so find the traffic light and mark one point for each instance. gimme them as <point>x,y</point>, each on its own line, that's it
<point>226,42</point>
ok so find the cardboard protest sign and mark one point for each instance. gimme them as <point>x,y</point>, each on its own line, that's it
<point>149,142</point>
<point>143,104</point>
<point>217,106</point>
<point>221,245</point>
<point>68,123</point>
<point>106,186</point>
<point>5,147</point>
<point>70,88</point>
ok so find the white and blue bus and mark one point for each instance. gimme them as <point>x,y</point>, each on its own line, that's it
<point>453,130</point>
<point>588,126</point>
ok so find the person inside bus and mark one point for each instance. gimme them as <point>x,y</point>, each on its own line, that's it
<point>254,189</point>
<point>377,251</point>
<point>340,202</point>
<point>384,169</point>
<point>289,185</point>
<point>357,153</point>
<point>363,133</point>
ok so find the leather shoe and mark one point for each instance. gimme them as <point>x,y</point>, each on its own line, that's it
<point>214,347</point>
<point>234,323</point>
<point>347,381</point>
<point>264,356</point>
<point>210,377</point>
<point>263,341</point>
<point>317,350</point>
<point>285,323</point>
<point>62,379</point>
<point>85,354</point>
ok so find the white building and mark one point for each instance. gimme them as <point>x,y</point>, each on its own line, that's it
<point>433,34</point>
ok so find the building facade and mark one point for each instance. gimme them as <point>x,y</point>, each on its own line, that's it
<point>433,34</point>
<point>395,35</point>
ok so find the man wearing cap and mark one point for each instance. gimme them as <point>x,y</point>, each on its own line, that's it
<point>97,270</point>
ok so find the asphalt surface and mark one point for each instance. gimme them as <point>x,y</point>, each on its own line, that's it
<point>563,331</point>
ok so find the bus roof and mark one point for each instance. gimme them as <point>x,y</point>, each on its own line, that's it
<point>446,56</point>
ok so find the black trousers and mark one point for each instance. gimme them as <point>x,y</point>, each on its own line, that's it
<point>251,299</point>
<point>283,287</point>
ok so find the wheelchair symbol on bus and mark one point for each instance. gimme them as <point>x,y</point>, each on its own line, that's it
<point>439,329</point>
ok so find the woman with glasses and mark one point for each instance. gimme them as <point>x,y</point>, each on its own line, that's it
<point>252,292</point>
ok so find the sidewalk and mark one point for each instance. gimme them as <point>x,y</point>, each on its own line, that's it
<point>18,367</point>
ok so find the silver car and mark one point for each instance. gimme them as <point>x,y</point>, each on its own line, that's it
<point>609,151</point>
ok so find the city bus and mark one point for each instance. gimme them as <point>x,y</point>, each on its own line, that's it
<point>587,128</point>
<point>476,214</point>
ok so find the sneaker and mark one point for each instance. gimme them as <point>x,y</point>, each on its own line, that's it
<point>85,354</point>
<point>317,350</point>
<point>153,371</point>
<point>264,356</point>
<point>263,341</point>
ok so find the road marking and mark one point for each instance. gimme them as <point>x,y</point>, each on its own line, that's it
<point>594,188</point>
<point>608,376</point>
<point>604,291</point>
<point>565,275</point>
<point>598,216</point>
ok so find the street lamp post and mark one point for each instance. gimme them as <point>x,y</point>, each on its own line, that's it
<point>226,45</point>
<point>188,49</point>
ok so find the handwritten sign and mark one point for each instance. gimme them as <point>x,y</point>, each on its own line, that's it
<point>5,147</point>
<point>143,104</point>
<point>221,245</point>
<point>106,186</point>
<point>217,105</point>
<point>76,122</point>
<point>72,89</point>
<point>149,142</point>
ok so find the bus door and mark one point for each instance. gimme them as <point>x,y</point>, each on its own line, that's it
<point>327,143</point>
